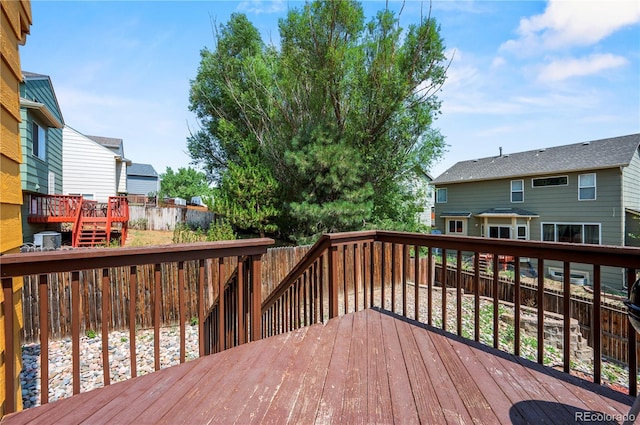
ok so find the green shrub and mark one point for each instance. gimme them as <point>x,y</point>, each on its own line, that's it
<point>139,224</point>
<point>219,230</point>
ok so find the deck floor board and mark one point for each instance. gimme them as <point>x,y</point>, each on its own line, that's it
<point>366,367</point>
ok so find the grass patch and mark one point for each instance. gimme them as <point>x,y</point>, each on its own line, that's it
<point>149,237</point>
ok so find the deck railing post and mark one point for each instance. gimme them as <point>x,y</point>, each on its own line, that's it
<point>333,282</point>
<point>9,352</point>
<point>256,300</point>
<point>632,346</point>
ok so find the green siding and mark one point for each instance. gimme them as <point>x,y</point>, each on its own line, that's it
<point>557,204</point>
<point>631,183</point>
<point>34,171</point>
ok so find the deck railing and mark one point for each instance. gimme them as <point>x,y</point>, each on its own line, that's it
<point>230,323</point>
<point>127,261</point>
<point>341,273</point>
<point>53,208</point>
<point>352,271</point>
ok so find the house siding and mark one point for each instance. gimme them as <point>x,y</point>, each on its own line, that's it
<point>142,185</point>
<point>553,204</point>
<point>15,20</point>
<point>631,183</point>
<point>121,177</point>
<point>631,199</point>
<point>88,168</point>
<point>35,171</point>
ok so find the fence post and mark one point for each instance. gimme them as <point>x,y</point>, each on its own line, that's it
<point>256,301</point>
<point>333,282</point>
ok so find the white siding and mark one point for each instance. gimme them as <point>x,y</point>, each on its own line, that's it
<point>87,167</point>
<point>121,176</point>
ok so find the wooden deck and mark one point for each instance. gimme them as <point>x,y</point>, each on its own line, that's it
<point>365,367</point>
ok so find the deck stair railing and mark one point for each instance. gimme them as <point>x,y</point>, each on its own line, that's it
<point>228,323</point>
<point>125,263</point>
<point>348,272</point>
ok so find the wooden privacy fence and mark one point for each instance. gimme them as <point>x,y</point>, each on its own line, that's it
<point>614,321</point>
<point>276,264</point>
<point>166,218</point>
<point>60,300</point>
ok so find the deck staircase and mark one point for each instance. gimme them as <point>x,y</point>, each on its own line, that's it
<point>92,231</point>
<point>92,221</point>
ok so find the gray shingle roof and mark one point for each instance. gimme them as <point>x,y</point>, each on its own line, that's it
<point>33,75</point>
<point>109,142</point>
<point>596,154</point>
<point>509,212</point>
<point>145,170</point>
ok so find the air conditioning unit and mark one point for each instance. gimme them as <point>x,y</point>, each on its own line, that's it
<point>47,240</point>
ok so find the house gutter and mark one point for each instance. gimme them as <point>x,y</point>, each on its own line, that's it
<point>41,111</point>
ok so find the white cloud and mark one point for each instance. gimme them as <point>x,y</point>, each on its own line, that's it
<point>593,64</point>
<point>498,62</point>
<point>262,6</point>
<point>567,23</point>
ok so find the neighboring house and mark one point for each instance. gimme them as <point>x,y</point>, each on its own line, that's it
<point>580,193</point>
<point>92,169</point>
<point>41,137</point>
<point>142,179</point>
<point>117,147</point>
<point>16,21</point>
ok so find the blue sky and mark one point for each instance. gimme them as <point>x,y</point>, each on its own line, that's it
<point>524,74</point>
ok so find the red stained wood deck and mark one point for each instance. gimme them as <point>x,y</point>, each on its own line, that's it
<point>365,367</point>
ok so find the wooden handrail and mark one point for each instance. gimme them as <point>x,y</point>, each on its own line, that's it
<point>13,265</point>
<point>104,259</point>
<point>316,251</point>
<point>607,255</point>
<point>298,297</point>
<point>616,256</point>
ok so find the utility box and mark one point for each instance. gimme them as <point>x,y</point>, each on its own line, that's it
<point>48,240</point>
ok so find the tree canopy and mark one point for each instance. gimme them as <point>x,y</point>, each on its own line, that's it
<point>185,183</point>
<point>337,120</point>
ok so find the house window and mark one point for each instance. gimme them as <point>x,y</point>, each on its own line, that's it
<point>522,233</point>
<point>517,190</point>
<point>39,140</point>
<point>572,233</point>
<point>550,181</point>
<point>441,195</point>
<point>501,232</point>
<point>85,196</point>
<point>456,226</point>
<point>587,187</point>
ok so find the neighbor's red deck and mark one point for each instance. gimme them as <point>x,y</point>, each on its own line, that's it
<point>365,367</point>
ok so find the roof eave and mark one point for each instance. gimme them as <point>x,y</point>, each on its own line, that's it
<point>520,176</point>
<point>506,215</point>
<point>41,111</point>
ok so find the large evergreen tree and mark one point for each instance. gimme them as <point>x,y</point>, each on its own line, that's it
<point>340,116</point>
